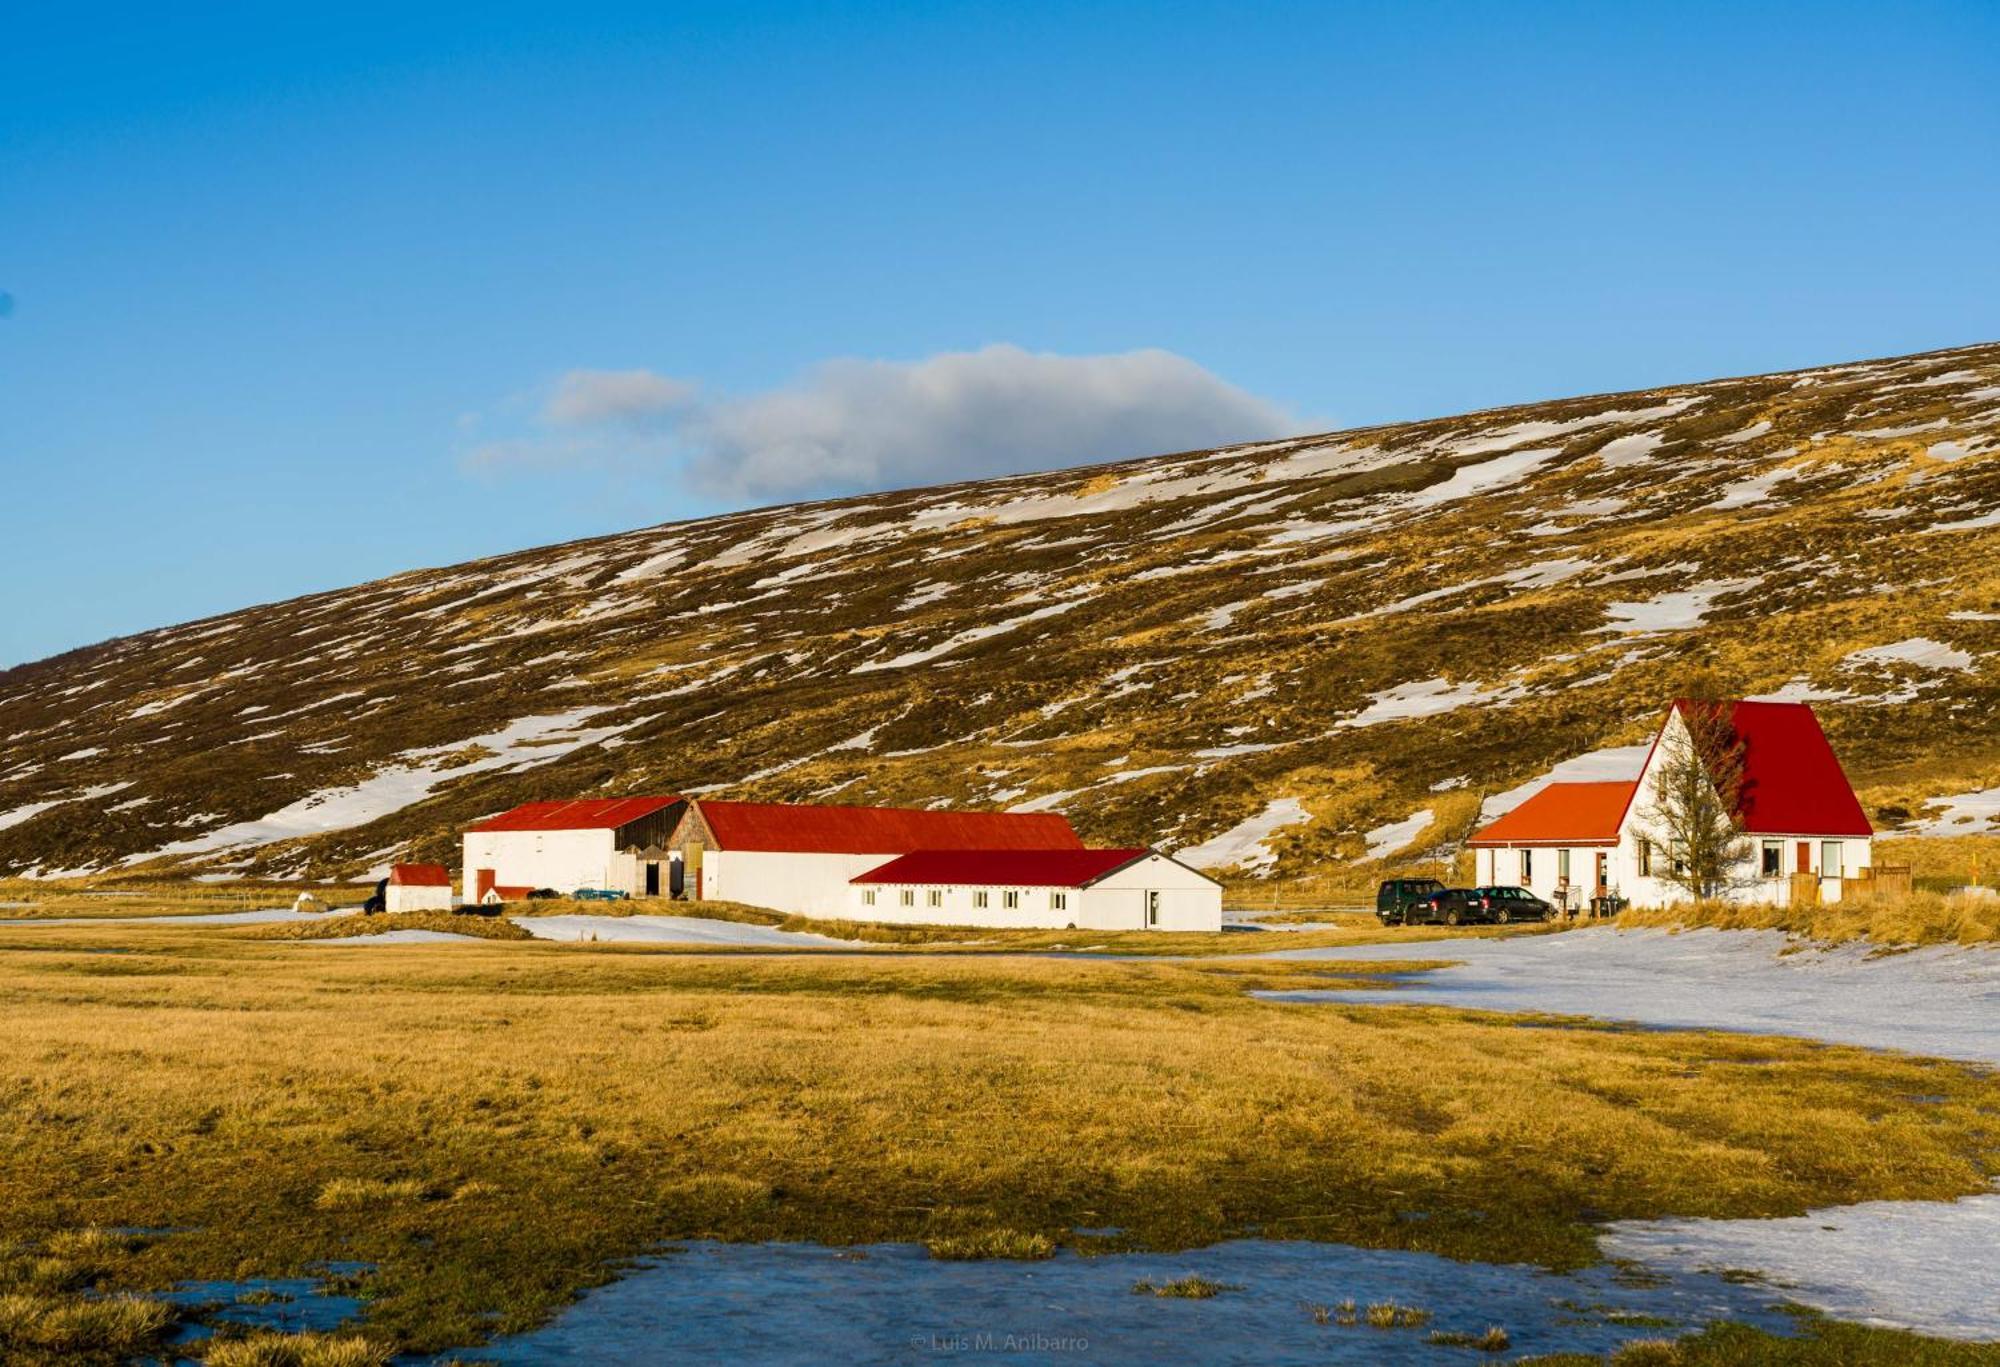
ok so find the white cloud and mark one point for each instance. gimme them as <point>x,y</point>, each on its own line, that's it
<point>584,397</point>
<point>852,425</point>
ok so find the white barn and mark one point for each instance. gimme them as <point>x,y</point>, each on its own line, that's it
<point>611,844</point>
<point>417,887</point>
<point>1579,843</point>
<point>1082,889</point>
<point>801,859</point>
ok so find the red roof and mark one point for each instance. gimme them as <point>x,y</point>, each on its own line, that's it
<point>510,892</point>
<point>575,814</point>
<point>1792,781</point>
<point>1004,868</point>
<point>805,829</point>
<point>1792,785</point>
<point>1563,814</point>
<point>419,876</point>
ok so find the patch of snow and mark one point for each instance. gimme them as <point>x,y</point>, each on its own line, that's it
<point>1920,651</point>
<point>1750,433</point>
<point>1630,449</point>
<point>1986,519</point>
<point>1802,690</point>
<point>1244,845</point>
<point>1672,611</point>
<point>1965,814</point>
<point>1925,1266</point>
<point>965,638</point>
<point>1426,698</point>
<point>1396,835</point>
<point>1755,489</point>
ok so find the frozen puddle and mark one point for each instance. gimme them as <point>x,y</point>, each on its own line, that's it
<point>1921,1265</point>
<point>805,1303</point>
<point>1943,1001</point>
<point>694,930</point>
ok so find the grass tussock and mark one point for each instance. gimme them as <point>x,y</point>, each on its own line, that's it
<point>370,1193</point>
<point>991,1243</point>
<point>340,927</point>
<point>42,1327</point>
<point>1192,1287</point>
<point>1919,918</point>
<point>1495,1339</point>
<point>1390,1315</point>
<point>298,1350</point>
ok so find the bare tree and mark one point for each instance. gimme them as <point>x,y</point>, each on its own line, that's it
<point>1697,791</point>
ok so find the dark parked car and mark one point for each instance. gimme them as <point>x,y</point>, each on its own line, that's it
<point>1505,904</point>
<point>1446,906</point>
<point>1394,898</point>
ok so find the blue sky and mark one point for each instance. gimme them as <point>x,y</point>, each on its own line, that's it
<point>296,297</point>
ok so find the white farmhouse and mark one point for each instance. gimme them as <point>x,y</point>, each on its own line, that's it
<point>1577,843</point>
<point>1082,889</point>
<point>612,844</point>
<point>801,858</point>
<point>417,887</point>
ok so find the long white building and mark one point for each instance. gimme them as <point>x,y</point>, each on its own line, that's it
<point>1796,813</point>
<point>1084,889</point>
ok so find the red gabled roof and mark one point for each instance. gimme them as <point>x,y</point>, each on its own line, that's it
<point>575,814</point>
<point>1792,781</point>
<point>510,892</point>
<point>1004,868</point>
<point>1563,814</point>
<point>805,829</point>
<point>419,876</point>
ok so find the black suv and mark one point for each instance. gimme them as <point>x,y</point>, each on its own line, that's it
<point>1446,906</point>
<point>1504,904</point>
<point>1396,895</point>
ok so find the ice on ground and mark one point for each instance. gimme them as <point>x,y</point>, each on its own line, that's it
<point>889,1303</point>
<point>1598,766</point>
<point>1965,814</point>
<point>1926,1266</point>
<point>691,930</point>
<point>401,937</point>
<point>1942,1001</point>
<point>1920,651</point>
<point>1397,835</point>
<point>1243,845</point>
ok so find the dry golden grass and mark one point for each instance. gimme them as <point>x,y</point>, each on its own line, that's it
<point>298,1350</point>
<point>340,927</point>
<point>38,1328</point>
<point>596,1100</point>
<point>1920,918</point>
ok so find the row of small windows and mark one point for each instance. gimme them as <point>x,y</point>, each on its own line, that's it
<point>1770,863</point>
<point>1010,898</point>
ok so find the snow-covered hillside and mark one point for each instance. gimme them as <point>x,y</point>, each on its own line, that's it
<point>1288,655</point>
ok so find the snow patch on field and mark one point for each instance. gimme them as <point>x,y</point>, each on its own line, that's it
<point>1243,845</point>
<point>1425,698</point>
<point>693,930</point>
<point>1619,763</point>
<point>965,638</point>
<point>1927,1266</point>
<point>1677,611</point>
<point>1965,814</point>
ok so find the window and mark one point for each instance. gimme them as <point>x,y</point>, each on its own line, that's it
<point>1645,857</point>
<point>1010,899</point>
<point>868,897</point>
<point>1829,859</point>
<point>1058,901</point>
<point>1527,867</point>
<point>1680,857</point>
<point>909,897</point>
<point>1152,908</point>
<point>1562,865</point>
<point>934,898</point>
<point>979,899</point>
<point>1774,859</point>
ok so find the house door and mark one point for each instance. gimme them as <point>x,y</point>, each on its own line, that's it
<point>1805,856</point>
<point>1152,909</point>
<point>652,878</point>
<point>694,867</point>
<point>676,882</point>
<point>1603,872</point>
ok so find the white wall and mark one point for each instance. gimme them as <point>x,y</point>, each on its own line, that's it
<point>396,897</point>
<point>1748,884</point>
<point>800,884</point>
<point>562,860</point>
<point>1186,901</point>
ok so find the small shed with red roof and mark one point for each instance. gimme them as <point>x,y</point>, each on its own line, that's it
<point>1796,814</point>
<point>1090,889</point>
<point>612,844</point>
<point>417,887</point>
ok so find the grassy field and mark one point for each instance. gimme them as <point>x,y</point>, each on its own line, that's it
<point>492,1125</point>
